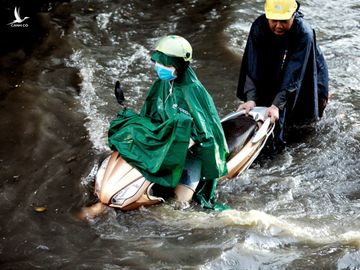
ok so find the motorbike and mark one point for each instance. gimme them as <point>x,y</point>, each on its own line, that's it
<point>120,185</point>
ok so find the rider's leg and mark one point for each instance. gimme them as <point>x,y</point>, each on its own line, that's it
<point>185,190</point>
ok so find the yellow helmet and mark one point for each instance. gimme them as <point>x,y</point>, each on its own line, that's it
<point>175,46</point>
<point>280,9</point>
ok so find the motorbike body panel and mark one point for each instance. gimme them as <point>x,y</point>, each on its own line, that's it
<point>120,185</point>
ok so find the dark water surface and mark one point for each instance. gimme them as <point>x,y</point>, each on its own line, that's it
<point>298,211</point>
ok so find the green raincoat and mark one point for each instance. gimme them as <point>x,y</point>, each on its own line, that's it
<point>156,140</point>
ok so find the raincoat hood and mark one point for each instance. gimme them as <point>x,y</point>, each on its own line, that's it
<point>162,58</point>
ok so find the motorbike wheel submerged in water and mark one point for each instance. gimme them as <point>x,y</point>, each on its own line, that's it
<point>122,186</point>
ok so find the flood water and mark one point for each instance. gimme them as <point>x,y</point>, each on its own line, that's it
<point>300,210</point>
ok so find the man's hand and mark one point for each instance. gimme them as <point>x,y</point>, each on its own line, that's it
<point>273,113</point>
<point>247,106</point>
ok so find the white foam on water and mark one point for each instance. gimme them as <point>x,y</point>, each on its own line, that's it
<point>349,260</point>
<point>237,31</point>
<point>261,223</point>
<point>96,122</point>
<point>127,68</point>
<point>91,176</point>
<point>103,20</point>
<point>271,225</point>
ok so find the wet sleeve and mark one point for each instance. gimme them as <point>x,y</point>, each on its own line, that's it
<point>280,99</point>
<point>322,74</point>
<point>294,72</point>
<point>246,86</point>
<point>323,81</point>
<point>249,89</point>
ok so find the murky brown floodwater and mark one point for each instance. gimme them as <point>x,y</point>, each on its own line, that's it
<point>298,211</point>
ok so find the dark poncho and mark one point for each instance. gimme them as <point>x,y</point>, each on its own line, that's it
<point>288,71</point>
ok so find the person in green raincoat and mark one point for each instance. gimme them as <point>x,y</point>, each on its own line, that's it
<point>178,111</point>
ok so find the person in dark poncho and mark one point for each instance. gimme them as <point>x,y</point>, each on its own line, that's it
<point>283,69</point>
<point>177,110</point>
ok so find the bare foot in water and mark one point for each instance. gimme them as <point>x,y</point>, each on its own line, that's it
<point>93,211</point>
